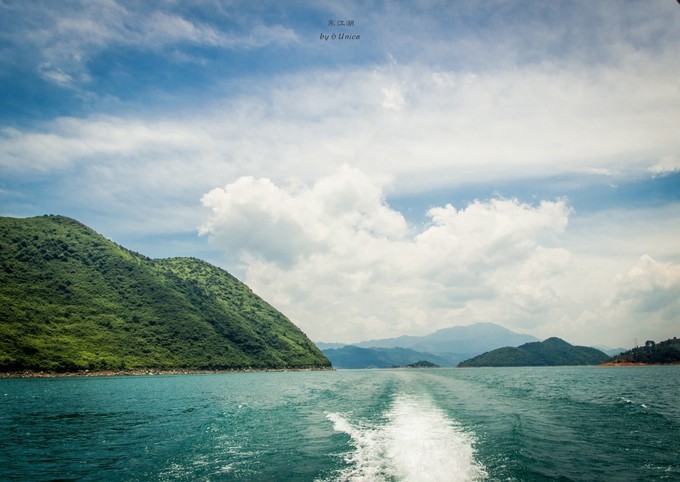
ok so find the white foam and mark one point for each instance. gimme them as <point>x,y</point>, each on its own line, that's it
<point>367,462</point>
<point>418,442</point>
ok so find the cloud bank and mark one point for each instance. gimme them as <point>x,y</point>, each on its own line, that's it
<point>346,266</point>
<point>426,128</point>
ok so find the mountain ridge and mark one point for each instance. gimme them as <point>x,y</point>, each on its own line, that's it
<point>355,357</point>
<point>472,338</point>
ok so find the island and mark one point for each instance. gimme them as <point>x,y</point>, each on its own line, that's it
<point>422,364</point>
<point>551,352</point>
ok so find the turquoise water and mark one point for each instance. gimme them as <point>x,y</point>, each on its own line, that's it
<point>514,424</point>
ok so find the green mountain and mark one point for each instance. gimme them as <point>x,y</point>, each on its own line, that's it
<point>551,352</point>
<point>72,300</point>
<point>662,353</point>
<point>351,356</point>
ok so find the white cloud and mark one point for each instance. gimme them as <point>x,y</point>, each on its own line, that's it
<point>648,287</point>
<point>393,98</point>
<point>56,75</point>
<point>63,40</point>
<point>339,260</point>
<point>102,140</point>
<point>257,219</point>
<point>260,220</point>
<point>666,165</point>
<point>621,280</point>
<point>630,302</point>
<point>429,125</point>
<point>163,28</point>
<point>489,127</point>
<point>345,266</point>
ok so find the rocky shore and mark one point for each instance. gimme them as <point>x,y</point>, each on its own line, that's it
<point>635,364</point>
<point>148,372</point>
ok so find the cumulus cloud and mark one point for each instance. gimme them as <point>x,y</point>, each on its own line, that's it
<point>626,301</point>
<point>298,221</point>
<point>345,265</point>
<point>336,257</point>
<point>649,286</point>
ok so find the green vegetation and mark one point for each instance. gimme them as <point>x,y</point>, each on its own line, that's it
<point>72,300</point>
<point>422,364</point>
<point>662,353</point>
<point>551,352</point>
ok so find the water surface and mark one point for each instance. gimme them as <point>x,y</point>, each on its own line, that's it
<point>510,424</point>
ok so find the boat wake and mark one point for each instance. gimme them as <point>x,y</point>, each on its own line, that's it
<point>414,441</point>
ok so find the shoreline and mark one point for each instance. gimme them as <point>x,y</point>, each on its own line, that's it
<point>151,372</point>
<point>637,364</point>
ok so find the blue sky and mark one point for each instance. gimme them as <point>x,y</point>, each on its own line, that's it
<point>453,162</point>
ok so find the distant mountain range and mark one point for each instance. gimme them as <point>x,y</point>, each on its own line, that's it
<point>445,347</point>
<point>551,352</point>
<point>610,351</point>
<point>350,356</point>
<point>474,338</point>
<point>478,344</point>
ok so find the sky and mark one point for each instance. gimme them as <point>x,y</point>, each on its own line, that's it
<point>371,169</point>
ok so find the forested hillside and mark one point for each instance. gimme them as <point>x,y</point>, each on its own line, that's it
<point>71,300</point>
<point>662,353</point>
<point>551,352</point>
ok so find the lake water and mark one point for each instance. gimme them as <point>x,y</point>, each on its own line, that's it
<point>501,424</point>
